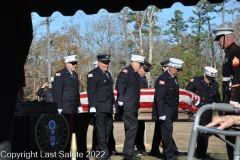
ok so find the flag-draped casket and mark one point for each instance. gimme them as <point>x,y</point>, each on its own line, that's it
<point>187,100</point>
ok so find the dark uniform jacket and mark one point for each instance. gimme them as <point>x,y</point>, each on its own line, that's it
<point>128,89</point>
<point>143,82</point>
<point>231,63</point>
<point>100,90</point>
<point>231,67</point>
<point>65,91</point>
<point>207,92</point>
<point>166,97</point>
<point>45,93</point>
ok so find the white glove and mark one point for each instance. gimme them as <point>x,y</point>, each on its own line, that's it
<point>120,103</point>
<point>60,111</point>
<point>80,110</point>
<point>92,110</point>
<point>162,118</point>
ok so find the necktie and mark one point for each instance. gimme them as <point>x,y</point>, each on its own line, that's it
<point>107,75</point>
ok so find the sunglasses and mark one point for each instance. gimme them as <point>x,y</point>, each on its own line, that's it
<point>146,69</point>
<point>179,69</point>
<point>73,63</point>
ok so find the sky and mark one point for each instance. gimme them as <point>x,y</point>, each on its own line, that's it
<point>81,17</point>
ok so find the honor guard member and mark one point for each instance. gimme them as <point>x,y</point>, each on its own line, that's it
<point>111,141</point>
<point>206,87</point>
<point>128,96</point>
<point>101,100</point>
<point>230,71</point>
<point>231,65</point>
<point>46,92</point>
<point>157,138</point>
<point>65,88</point>
<point>139,140</point>
<point>157,134</point>
<point>165,108</point>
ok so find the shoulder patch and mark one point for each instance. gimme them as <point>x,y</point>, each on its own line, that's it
<point>191,80</point>
<point>90,75</point>
<point>235,61</point>
<point>125,70</point>
<point>162,82</point>
<point>58,74</point>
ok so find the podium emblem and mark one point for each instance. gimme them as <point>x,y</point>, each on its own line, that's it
<point>52,133</point>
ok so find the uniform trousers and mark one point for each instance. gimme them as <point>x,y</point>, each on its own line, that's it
<point>111,141</point>
<point>166,128</point>
<point>139,140</point>
<point>104,124</point>
<point>131,125</point>
<point>235,94</point>
<point>157,137</point>
<point>202,139</point>
<point>8,97</point>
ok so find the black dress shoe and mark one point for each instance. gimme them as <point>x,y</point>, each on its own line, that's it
<point>202,156</point>
<point>141,153</point>
<point>177,153</point>
<point>114,152</point>
<point>103,158</point>
<point>155,154</point>
<point>132,158</point>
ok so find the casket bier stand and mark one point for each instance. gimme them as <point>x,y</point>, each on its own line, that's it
<point>26,117</point>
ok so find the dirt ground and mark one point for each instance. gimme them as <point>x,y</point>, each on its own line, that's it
<point>182,131</point>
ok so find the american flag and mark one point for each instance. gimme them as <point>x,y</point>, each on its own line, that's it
<point>187,100</point>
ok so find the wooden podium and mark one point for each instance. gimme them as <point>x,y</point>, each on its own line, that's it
<point>24,139</point>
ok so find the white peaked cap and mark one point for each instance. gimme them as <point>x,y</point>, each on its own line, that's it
<point>52,79</point>
<point>71,58</point>
<point>174,62</point>
<point>222,31</point>
<point>137,58</point>
<point>210,71</point>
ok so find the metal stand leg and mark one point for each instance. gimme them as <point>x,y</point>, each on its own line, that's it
<point>192,144</point>
<point>237,149</point>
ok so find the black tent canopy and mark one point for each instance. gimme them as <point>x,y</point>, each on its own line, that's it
<point>45,8</point>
